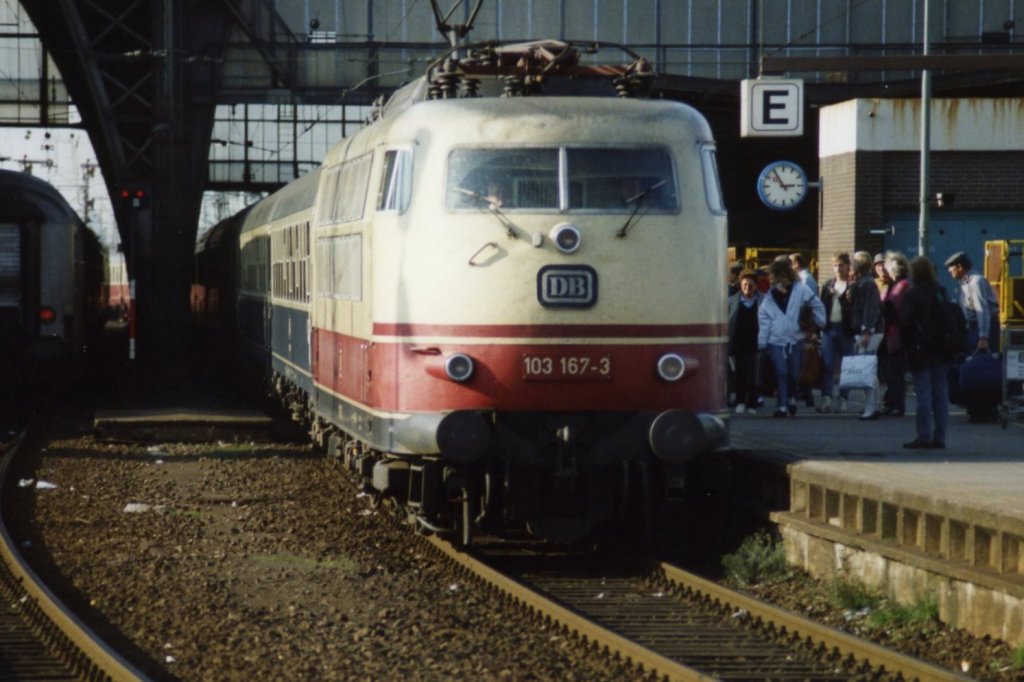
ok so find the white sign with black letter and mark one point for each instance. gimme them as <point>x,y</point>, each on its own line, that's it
<point>772,107</point>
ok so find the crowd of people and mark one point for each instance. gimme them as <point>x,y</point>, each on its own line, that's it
<point>881,306</point>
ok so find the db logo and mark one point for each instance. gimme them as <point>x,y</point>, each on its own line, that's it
<point>567,286</point>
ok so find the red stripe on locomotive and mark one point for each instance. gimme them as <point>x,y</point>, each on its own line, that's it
<point>395,377</point>
<point>563,331</point>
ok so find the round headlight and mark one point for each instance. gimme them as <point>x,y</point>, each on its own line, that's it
<point>458,367</point>
<point>566,237</point>
<point>671,367</point>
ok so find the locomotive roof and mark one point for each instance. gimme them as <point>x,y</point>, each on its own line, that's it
<point>525,69</point>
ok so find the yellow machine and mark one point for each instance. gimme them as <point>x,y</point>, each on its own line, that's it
<point>1004,269</point>
<point>755,257</point>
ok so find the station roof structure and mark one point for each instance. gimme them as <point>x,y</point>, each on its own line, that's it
<point>179,96</point>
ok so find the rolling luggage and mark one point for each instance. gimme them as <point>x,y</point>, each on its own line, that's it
<point>981,381</point>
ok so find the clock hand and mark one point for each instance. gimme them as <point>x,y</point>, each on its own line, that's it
<point>779,180</point>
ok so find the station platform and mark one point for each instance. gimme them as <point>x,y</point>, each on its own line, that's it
<point>187,425</point>
<point>944,524</point>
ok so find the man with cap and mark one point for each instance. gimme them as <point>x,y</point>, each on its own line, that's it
<point>981,308</point>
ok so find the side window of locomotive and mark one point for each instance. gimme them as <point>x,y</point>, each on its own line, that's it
<point>346,188</point>
<point>395,181</point>
<point>610,179</point>
<point>510,179</point>
<point>340,267</point>
<point>712,187</point>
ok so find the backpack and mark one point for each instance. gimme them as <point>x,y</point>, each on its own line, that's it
<point>951,327</point>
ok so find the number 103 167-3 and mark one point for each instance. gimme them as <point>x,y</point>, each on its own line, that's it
<point>566,367</point>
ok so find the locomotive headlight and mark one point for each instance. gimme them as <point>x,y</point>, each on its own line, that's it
<point>458,367</point>
<point>671,367</point>
<point>566,237</point>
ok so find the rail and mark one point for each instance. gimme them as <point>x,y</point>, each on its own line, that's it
<point>64,635</point>
<point>674,634</point>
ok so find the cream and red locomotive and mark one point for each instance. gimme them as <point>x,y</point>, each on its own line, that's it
<point>506,311</point>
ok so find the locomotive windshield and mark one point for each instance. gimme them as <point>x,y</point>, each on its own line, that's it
<point>609,180</point>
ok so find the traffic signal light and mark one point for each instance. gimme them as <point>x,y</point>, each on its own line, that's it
<point>134,197</point>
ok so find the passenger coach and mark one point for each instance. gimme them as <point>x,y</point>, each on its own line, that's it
<point>52,272</point>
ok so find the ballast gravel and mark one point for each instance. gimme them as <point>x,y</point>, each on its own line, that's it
<point>240,561</point>
<point>247,561</point>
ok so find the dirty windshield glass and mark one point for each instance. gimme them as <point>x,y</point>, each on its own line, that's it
<point>503,178</point>
<point>599,179</point>
<point>620,179</point>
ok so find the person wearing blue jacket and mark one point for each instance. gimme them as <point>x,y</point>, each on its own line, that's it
<point>981,311</point>
<point>979,303</point>
<point>780,333</point>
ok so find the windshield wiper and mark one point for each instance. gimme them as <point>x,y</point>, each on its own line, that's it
<point>494,206</point>
<point>637,200</point>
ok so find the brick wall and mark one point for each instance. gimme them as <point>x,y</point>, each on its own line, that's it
<point>980,180</point>
<point>852,186</point>
<point>860,188</point>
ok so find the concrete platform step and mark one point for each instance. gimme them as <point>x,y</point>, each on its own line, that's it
<point>948,524</point>
<point>181,425</point>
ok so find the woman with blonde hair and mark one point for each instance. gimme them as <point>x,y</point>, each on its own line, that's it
<point>891,356</point>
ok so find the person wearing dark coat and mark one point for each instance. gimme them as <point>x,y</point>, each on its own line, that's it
<point>867,321</point>
<point>919,325</point>
<point>743,312</point>
<point>836,337</point>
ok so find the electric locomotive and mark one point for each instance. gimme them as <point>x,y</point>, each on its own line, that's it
<point>512,281</point>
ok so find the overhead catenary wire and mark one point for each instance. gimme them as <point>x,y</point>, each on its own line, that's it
<point>848,12</point>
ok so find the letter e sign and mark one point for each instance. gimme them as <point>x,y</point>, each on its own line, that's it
<point>772,107</point>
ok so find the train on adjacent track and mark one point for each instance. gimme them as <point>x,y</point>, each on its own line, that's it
<point>52,279</point>
<point>502,300</point>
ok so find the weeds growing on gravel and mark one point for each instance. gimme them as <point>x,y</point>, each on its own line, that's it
<point>1018,656</point>
<point>891,614</point>
<point>760,559</point>
<point>852,594</point>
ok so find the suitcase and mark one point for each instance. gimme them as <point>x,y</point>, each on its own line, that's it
<point>981,381</point>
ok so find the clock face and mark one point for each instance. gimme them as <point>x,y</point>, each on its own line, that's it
<point>782,185</point>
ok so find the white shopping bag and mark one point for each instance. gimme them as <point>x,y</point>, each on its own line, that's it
<point>859,371</point>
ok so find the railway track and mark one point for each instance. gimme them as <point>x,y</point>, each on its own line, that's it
<point>40,639</point>
<point>675,625</point>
